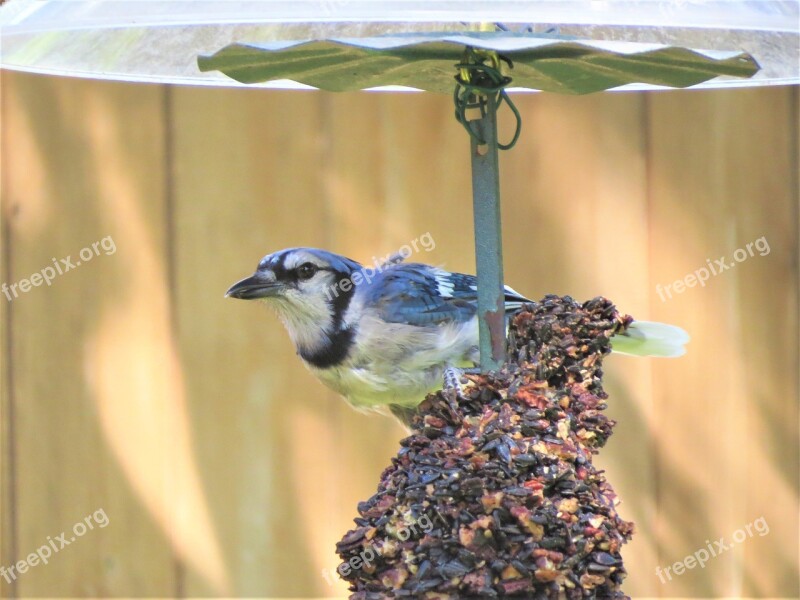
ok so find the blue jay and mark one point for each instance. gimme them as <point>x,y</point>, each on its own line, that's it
<point>385,337</point>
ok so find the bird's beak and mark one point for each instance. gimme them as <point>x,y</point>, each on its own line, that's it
<point>258,285</point>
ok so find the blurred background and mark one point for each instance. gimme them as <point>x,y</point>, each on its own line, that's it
<point>130,386</point>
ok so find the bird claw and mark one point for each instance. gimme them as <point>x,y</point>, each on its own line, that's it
<point>452,398</point>
<point>452,381</point>
<point>454,391</point>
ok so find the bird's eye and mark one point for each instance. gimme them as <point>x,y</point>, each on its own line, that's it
<point>306,271</point>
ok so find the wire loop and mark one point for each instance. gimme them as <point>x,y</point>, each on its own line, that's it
<point>479,77</point>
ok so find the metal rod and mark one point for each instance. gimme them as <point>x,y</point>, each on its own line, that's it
<point>488,239</point>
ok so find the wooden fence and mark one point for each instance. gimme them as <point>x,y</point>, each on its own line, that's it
<point>132,389</point>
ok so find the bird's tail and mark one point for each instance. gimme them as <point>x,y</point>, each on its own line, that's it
<point>647,338</point>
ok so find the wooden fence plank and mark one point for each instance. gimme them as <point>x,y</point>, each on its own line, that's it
<point>8,535</point>
<point>248,181</point>
<point>86,166</point>
<point>575,218</point>
<point>357,171</point>
<point>724,176</point>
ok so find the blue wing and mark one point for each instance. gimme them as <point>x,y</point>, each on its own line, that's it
<point>421,295</point>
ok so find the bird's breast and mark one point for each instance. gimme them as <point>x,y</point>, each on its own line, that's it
<point>396,363</point>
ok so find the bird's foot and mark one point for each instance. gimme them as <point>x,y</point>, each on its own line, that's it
<point>452,381</point>
<point>454,391</point>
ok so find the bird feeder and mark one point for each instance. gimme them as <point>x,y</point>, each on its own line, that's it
<point>481,54</point>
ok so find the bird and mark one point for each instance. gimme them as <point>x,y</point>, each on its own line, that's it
<point>384,337</point>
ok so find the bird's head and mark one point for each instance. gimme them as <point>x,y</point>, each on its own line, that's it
<point>310,289</point>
